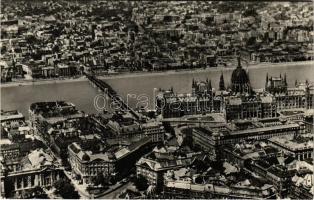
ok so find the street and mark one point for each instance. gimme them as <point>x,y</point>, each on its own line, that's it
<point>114,194</point>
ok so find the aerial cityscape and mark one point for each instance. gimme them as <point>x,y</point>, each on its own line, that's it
<point>156,99</point>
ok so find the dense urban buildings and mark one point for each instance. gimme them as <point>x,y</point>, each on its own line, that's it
<point>299,147</point>
<point>65,39</point>
<point>219,119</point>
<point>25,163</point>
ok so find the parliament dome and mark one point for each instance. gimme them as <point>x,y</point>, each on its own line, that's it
<point>239,76</point>
<point>239,79</point>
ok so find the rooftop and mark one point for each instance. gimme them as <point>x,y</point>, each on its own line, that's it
<point>251,150</point>
<point>88,155</point>
<point>246,127</point>
<point>10,115</point>
<point>36,159</point>
<point>209,117</point>
<point>294,143</point>
<point>239,191</point>
<point>263,129</point>
<point>54,109</point>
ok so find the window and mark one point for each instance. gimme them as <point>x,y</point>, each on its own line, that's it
<point>32,180</point>
<point>25,182</point>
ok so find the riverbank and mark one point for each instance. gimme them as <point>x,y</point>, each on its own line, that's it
<point>42,82</point>
<point>151,74</point>
<point>198,70</point>
<point>82,94</point>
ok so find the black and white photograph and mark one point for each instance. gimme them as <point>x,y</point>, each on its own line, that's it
<point>130,99</point>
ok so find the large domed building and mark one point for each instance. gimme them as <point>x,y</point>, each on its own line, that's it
<point>240,82</point>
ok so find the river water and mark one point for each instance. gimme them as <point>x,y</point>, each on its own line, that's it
<point>82,94</point>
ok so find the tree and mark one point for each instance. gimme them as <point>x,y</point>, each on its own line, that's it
<point>65,189</point>
<point>38,192</point>
<point>141,183</point>
<point>112,180</point>
<point>100,179</point>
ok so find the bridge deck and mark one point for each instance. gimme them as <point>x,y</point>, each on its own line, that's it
<point>103,86</point>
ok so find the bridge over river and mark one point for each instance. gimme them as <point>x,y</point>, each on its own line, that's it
<point>112,94</point>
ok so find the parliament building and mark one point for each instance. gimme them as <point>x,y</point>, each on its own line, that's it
<point>200,101</point>
<point>239,101</point>
<point>301,96</point>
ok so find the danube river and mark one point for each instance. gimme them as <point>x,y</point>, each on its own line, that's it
<point>82,94</point>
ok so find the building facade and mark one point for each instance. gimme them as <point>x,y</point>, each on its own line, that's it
<point>25,173</point>
<point>89,165</point>
<point>210,139</point>
<point>200,101</point>
<point>250,107</point>
<point>300,96</point>
<point>154,130</point>
<point>185,190</point>
<point>43,115</point>
<point>12,115</point>
<point>153,169</point>
<point>291,146</point>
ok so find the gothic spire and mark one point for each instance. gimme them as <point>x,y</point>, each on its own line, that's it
<point>266,83</point>
<point>222,82</point>
<point>210,84</point>
<point>285,79</point>
<point>239,61</point>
